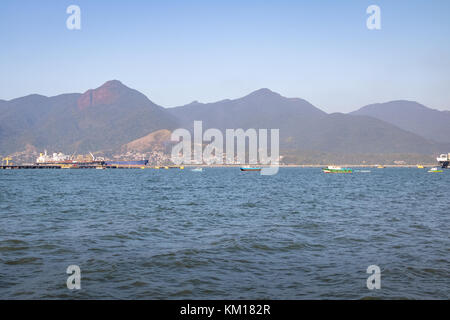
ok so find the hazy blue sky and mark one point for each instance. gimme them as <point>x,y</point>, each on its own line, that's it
<point>179,51</point>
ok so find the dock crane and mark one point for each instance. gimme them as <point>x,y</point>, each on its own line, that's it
<point>7,160</point>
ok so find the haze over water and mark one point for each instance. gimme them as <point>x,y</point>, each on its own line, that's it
<point>224,234</point>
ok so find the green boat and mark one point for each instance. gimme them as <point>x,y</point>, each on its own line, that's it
<point>333,169</point>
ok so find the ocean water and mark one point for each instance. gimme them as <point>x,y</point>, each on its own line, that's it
<point>224,234</point>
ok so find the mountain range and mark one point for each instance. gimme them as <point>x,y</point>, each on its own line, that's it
<point>305,127</point>
<point>101,119</point>
<point>413,117</point>
<point>115,117</point>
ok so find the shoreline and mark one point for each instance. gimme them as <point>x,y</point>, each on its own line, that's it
<point>316,165</point>
<point>190,166</point>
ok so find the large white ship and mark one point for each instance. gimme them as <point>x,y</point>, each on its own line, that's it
<point>64,159</point>
<point>444,160</point>
<point>54,158</point>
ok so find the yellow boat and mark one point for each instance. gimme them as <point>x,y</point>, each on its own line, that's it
<point>380,167</point>
<point>419,166</point>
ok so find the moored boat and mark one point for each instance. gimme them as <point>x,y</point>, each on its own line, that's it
<point>435,170</point>
<point>334,169</point>
<point>444,160</point>
<point>250,169</point>
<point>197,170</point>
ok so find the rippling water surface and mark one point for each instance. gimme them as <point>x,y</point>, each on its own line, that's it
<point>224,234</point>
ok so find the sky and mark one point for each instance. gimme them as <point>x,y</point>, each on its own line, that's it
<point>176,52</point>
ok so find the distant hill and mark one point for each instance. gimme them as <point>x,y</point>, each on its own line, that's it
<point>157,140</point>
<point>260,109</point>
<point>102,118</point>
<point>114,118</point>
<point>412,116</point>
<point>303,126</point>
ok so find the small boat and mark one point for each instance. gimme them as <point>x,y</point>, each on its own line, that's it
<point>435,170</point>
<point>197,170</point>
<point>250,169</point>
<point>100,168</point>
<point>419,166</point>
<point>334,169</point>
<point>380,167</point>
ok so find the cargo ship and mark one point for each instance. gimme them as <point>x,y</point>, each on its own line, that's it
<point>56,157</point>
<point>444,160</point>
<point>65,161</point>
